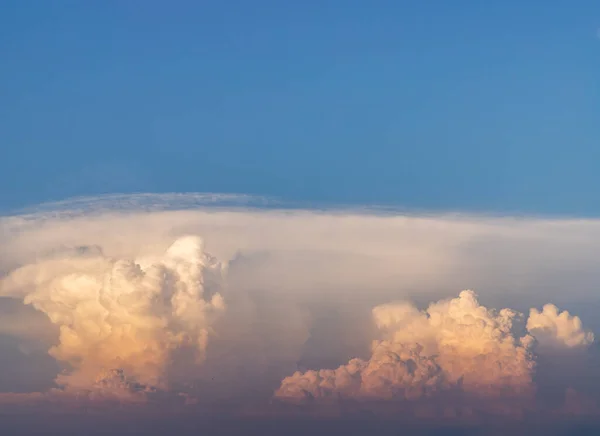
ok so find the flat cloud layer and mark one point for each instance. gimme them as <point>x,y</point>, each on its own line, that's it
<point>198,302</point>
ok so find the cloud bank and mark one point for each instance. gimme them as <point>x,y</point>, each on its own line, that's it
<point>159,300</point>
<point>455,349</point>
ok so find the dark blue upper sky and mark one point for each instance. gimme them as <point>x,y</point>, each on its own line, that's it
<point>469,105</point>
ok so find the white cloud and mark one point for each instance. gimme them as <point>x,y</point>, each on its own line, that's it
<point>550,327</point>
<point>453,344</point>
<point>132,291</point>
<point>124,314</point>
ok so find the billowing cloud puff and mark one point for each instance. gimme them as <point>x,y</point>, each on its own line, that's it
<point>475,345</point>
<point>123,315</point>
<point>453,344</point>
<point>393,371</point>
<point>554,328</point>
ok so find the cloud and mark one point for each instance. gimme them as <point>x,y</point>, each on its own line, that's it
<point>458,358</point>
<point>205,301</point>
<point>553,327</point>
<point>454,344</point>
<point>120,314</point>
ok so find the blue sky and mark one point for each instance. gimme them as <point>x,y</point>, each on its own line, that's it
<point>469,105</point>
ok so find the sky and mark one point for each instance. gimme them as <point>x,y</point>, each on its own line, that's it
<point>433,105</point>
<point>226,266</point>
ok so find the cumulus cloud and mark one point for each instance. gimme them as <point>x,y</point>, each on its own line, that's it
<point>453,344</point>
<point>464,356</point>
<point>553,327</point>
<point>124,315</point>
<point>143,313</point>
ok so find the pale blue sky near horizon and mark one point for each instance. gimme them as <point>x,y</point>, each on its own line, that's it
<point>464,105</point>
